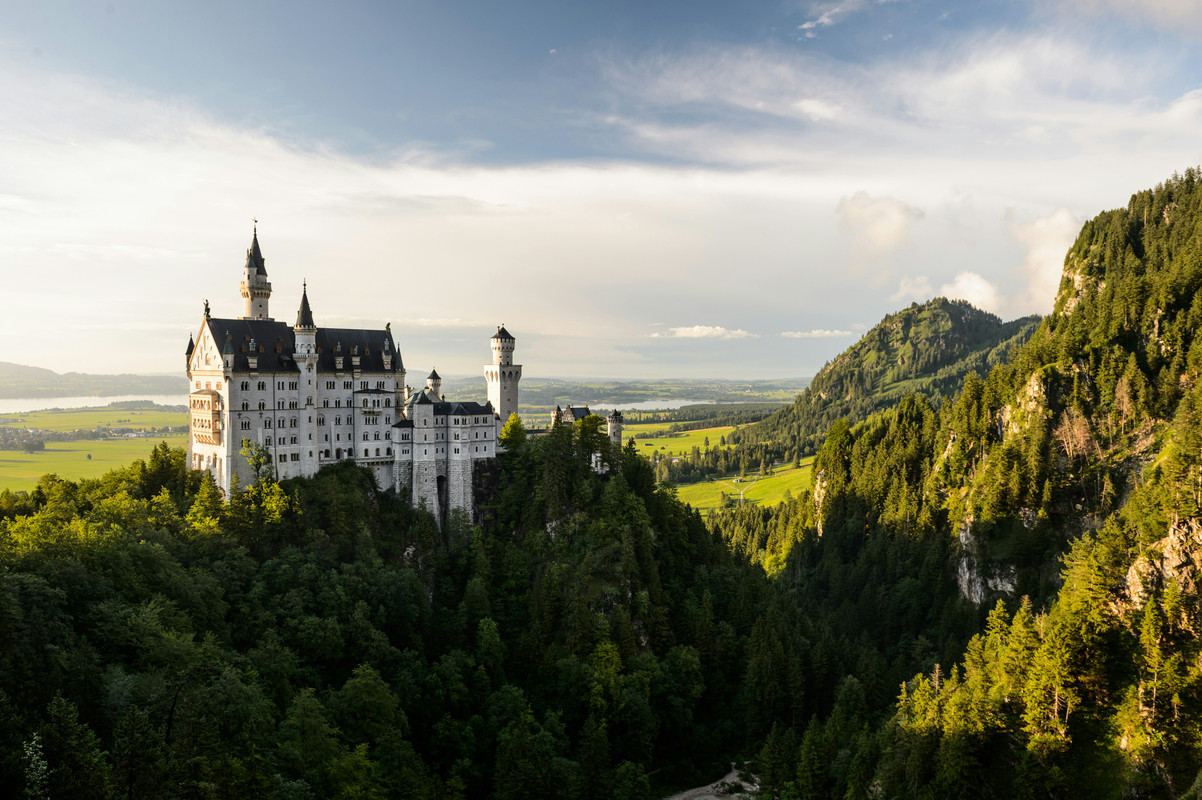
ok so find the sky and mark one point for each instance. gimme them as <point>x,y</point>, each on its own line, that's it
<point>634,189</point>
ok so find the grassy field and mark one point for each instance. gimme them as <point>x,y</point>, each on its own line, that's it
<point>21,471</point>
<point>706,495</point>
<point>767,491</point>
<point>675,445</point>
<point>72,419</point>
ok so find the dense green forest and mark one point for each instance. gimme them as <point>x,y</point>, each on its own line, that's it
<point>993,592</point>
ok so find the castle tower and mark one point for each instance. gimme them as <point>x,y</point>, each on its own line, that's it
<point>256,291</point>
<point>614,427</point>
<point>502,375</point>
<point>434,385</point>
<point>305,355</point>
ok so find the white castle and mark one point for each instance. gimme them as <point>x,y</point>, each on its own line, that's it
<point>313,396</point>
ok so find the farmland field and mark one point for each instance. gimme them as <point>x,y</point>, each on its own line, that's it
<point>72,419</point>
<point>680,444</point>
<point>707,494</point>
<point>766,491</point>
<point>21,471</point>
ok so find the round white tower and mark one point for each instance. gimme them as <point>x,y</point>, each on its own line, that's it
<point>256,290</point>
<point>502,375</point>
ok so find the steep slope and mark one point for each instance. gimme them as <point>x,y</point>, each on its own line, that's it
<point>926,348</point>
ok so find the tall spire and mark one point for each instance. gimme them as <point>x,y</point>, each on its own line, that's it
<point>304,317</point>
<point>254,256</point>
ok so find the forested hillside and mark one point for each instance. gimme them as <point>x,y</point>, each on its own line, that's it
<point>926,349</point>
<point>1067,486</point>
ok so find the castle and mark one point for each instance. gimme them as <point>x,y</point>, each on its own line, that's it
<point>310,396</point>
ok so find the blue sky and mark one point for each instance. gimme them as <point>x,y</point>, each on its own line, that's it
<point>635,189</point>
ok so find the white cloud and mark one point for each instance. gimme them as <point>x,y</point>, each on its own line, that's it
<point>817,333</point>
<point>913,289</point>
<point>1172,15</point>
<point>1047,239</point>
<point>830,13</point>
<point>975,289</point>
<point>878,224</point>
<point>704,332</point>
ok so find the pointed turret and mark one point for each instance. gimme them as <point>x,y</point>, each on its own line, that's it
<point>304,317</point>
<point>434,385</point>
<point>502,375</point>
<point>256,290</point>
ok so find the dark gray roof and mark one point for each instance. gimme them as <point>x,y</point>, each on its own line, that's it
<point>367,343</point>
<point>434,375</point>
<point>462,409</point>
<point>276,342</point>
<point>254,256</point>
<point>191,345</point>
<point>304,317</point>
<point>503,334</point>
<point>578,413</point>
<point>405,423</point>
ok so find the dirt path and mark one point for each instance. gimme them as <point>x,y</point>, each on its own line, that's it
<point>725,788</point>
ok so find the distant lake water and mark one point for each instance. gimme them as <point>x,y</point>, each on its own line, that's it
<point>654,405</point>
<point>22,404</point>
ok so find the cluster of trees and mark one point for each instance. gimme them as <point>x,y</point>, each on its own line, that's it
<point>317,638</point>
<point>712,461</point>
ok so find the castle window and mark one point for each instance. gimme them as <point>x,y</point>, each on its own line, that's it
<point>387,403</point>
<point>365,452</point>
<point>292,385</point>
<point>365,402</point>
<point>244,386</point>
<point>337,404</point>
<point>279,404</point>
<point>267,441</point>
<point>245,424</point>
<point>456,436</point>
<point>293,440</point>
<point>296,456</point>
<point>347,385</point>
<point>377,451</point>
<point>388,435</point>
<point>262,405</point>
<point>338,452</point>
<point>281,424</point>
<point>267,422</point>
<point>387,419</point>
<point>377,436</point>
<point>245,406</point>
<point>456,451</point>
<point>387,451</point>
<point>362,384</point>
<point>292,424</point>
<point>279,384</point>
<point>337,420</point>
<point>365,437</point>
<point>321,420</point>
<point>329,384</point>
<point>405,451</point>
<point>283,457</point>
<point>262,386</point>
<point>292,404</point>
<point>325,403</point>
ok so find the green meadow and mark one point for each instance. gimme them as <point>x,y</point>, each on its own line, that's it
<point>680,444</point>
<point>73,419</point>
<point>766,491</point>
<point>21,471</point>
<point>705,495</point>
